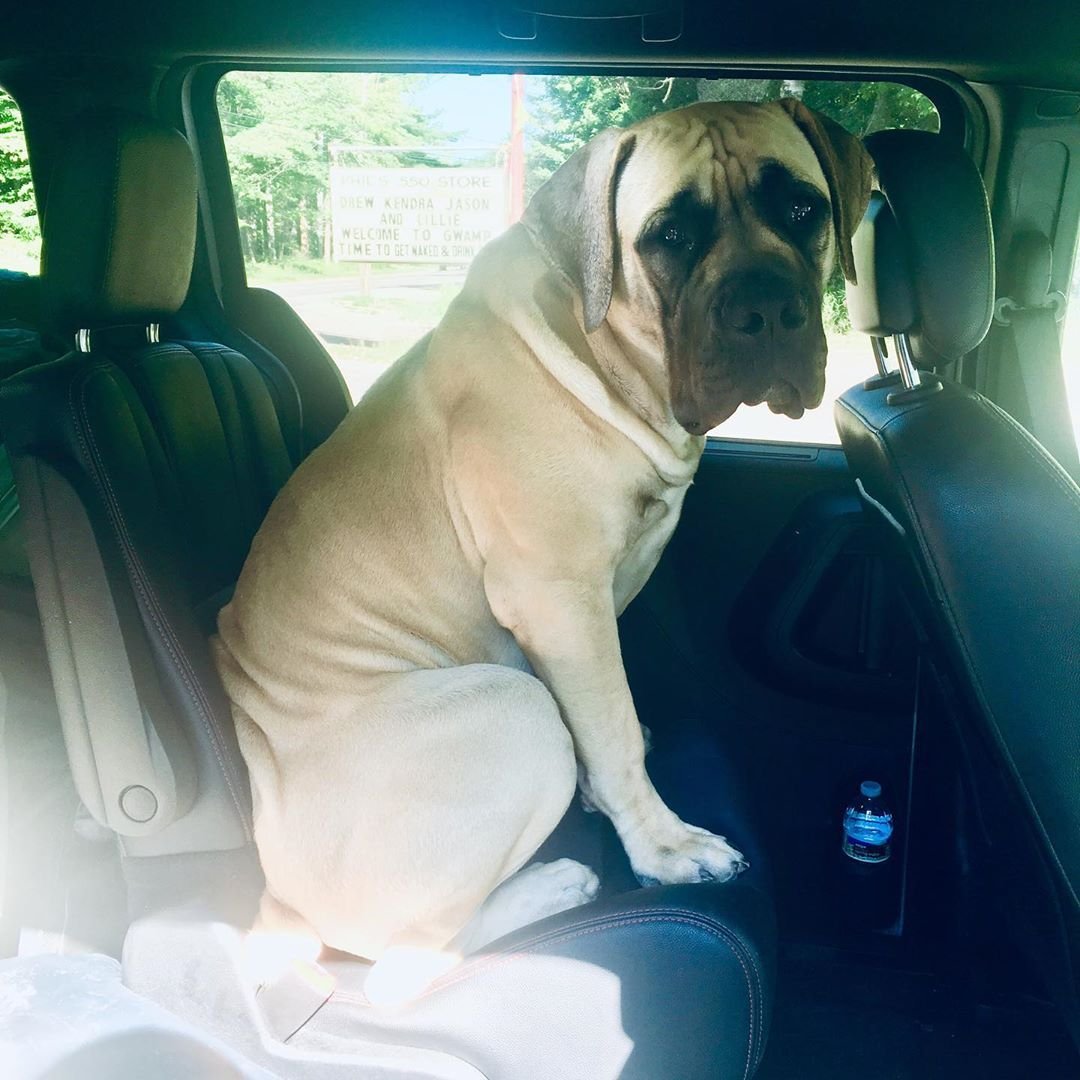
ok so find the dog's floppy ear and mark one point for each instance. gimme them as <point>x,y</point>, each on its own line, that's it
<point>848,168</point>
<point>572,219</point>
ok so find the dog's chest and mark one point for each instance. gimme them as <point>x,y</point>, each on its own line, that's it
<point>656,513</point>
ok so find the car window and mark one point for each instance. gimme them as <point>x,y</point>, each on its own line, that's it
<point>20,237</point>
<point>1070,348</point>
<point>362,197</point>
<point>20,249</point>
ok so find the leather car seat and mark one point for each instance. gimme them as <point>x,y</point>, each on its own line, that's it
<point>144,466</point>
<point>990,524</point>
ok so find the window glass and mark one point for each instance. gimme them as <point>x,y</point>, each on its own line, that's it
<point>20,238</point>
<point>336,176</point>
<point>20,246</point>
<point>1070,348</point>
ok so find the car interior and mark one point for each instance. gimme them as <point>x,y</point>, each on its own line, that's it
<point>898,603</point>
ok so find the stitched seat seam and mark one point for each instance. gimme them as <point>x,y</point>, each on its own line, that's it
<point>139,576</point>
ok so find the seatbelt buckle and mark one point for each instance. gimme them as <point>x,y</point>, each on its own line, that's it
<point>1005,307</point>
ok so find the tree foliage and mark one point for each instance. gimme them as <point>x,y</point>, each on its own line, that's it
<point>18,213</point>
<point>279,127</point>
<point>863,107</point>
<point>568,110</point>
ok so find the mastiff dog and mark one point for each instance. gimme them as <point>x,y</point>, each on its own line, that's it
<point>421,653</point>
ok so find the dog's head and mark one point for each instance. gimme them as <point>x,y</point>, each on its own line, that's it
<point>711,231</point>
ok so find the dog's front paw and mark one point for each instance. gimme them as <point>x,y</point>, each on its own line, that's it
<point>690,855</point>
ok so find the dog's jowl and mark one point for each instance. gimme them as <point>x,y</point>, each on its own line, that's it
<point>422,652</point>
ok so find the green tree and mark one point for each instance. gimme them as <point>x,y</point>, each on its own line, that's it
<point>863,107</point>
<point>278,130</point>
<point>18,212</point>
<point>568,110</point>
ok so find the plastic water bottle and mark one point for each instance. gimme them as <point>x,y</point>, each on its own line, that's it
<point>868,825</point>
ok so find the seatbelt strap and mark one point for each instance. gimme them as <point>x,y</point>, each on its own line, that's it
<point>1036,354</point>
<point>1030,346</point>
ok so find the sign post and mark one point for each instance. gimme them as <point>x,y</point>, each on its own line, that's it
<point>516,158</point>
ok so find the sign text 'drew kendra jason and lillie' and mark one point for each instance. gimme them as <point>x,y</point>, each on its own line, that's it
<point>415,214</point>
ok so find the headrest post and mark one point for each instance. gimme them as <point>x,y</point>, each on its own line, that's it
<point>909,373</point>
<point>881,355</point>
<point>916,385</point>
<point>153,333</point>
<point>82,341</point>
<point>884,376</point>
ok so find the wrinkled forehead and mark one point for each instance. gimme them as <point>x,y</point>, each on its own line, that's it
<point>713,150</point>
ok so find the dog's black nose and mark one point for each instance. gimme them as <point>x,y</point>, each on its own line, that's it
<point>761,302</point>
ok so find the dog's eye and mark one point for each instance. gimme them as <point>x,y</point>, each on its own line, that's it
<point>674,235</point>
<point>801,211</point>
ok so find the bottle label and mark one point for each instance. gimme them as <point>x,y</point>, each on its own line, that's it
<point>867,853</point>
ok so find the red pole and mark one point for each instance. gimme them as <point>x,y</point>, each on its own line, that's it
<point>516,160</point>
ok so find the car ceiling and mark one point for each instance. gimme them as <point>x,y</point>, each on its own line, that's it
<point>1033,42</point>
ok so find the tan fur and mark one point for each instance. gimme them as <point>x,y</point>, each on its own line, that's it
<point>422,647</point>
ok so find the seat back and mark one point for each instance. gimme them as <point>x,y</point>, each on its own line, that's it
<point>991,524</point>
<point>144,468</point>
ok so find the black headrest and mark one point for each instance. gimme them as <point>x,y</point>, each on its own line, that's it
<point>924,253</point>
<point>118,238</point>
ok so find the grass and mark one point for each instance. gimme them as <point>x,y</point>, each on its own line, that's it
<point>393,323</point>
<point>422,308</point>
<point>367,326</point>
<point>299,270</point>
<point>19,254</point>
<point>294,268</point>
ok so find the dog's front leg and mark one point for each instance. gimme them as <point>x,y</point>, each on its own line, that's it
<point>569,634</point>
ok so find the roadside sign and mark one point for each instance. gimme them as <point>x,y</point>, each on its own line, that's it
<point>438,215</point>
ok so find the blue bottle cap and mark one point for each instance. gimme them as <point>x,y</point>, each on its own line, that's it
<point>870,788</point>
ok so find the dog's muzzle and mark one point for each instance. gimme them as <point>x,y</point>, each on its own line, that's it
<point>765,322</point>
<point>757,337</point>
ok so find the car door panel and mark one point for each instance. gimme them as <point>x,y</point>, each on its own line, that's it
<point>772,624</point>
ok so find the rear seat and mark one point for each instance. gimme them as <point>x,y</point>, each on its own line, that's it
<point>144,468</point>
<point>60,887</point>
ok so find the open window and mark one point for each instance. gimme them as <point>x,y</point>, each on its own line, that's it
<point>20,252</point>
<point>20,237</point>
<point>362,197</point>
<point>1070,348</point>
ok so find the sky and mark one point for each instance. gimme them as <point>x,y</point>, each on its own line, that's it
<point>478,106</point>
